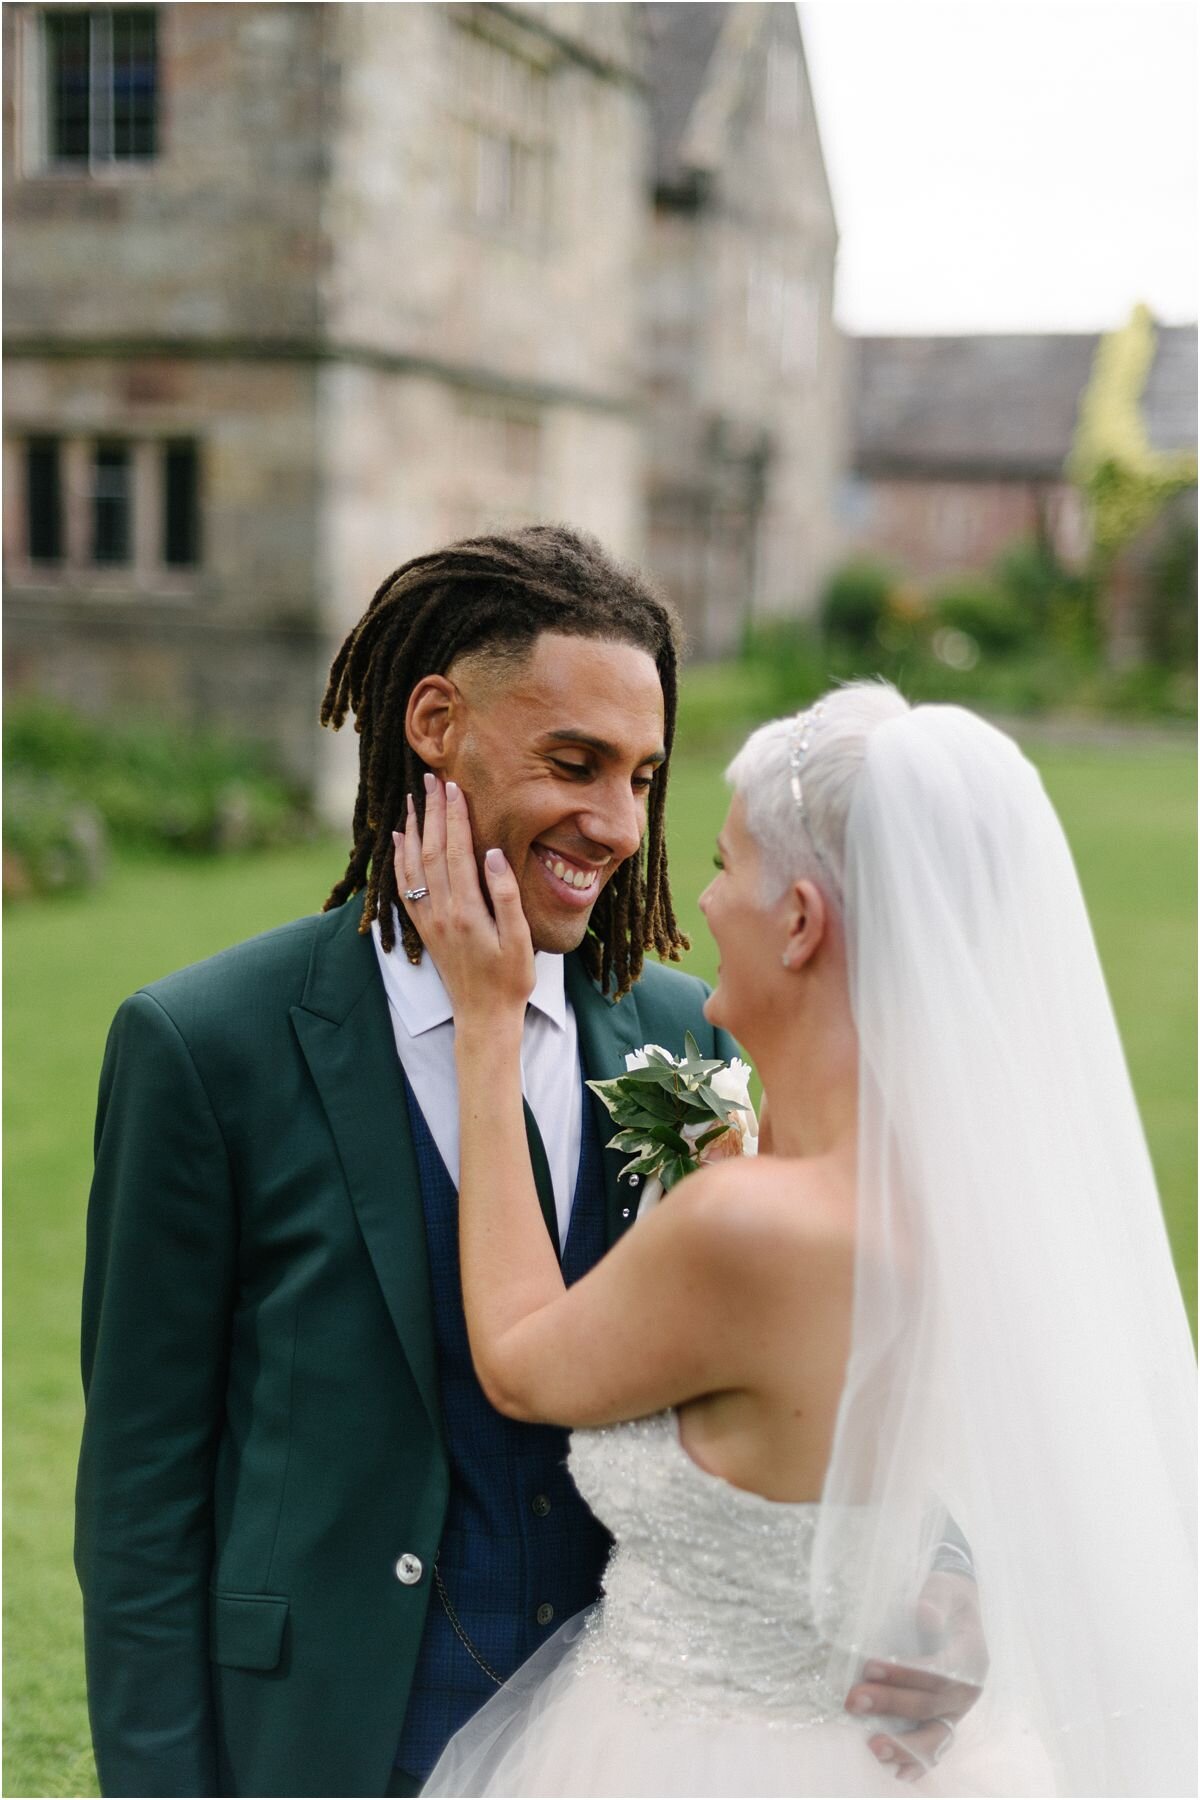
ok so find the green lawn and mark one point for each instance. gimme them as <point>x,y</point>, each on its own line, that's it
<point>1129,813</point>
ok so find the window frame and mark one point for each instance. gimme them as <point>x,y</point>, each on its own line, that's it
<point>144,571</point>
<point>478,120</point>
<point>38,158</point>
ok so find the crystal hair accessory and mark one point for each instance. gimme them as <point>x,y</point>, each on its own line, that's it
<point>803,726</point>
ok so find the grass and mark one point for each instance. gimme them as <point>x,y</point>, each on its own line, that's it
<point>1130,816</point>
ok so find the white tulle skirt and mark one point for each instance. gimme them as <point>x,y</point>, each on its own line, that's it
<point>562,1727</point>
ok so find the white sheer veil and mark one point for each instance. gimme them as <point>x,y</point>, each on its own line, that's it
<point>1020,1355</point>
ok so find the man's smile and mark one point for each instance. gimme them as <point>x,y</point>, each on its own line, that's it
<point>572,880</point>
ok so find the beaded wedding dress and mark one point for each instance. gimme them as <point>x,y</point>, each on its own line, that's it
<point>702,1670</point>
<point>1020,1363</point>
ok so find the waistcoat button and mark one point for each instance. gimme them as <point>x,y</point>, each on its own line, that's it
<point>634,1180</point>
<point>541,1505</point>
<point>545,1613</point>
<point>409,1569</point>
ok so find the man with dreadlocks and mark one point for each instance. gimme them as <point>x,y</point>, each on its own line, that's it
<point>309,1548</point>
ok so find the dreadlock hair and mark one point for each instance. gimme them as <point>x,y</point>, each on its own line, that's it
<point>498,593</point>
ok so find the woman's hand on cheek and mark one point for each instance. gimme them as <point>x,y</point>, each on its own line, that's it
<point>485,959</point>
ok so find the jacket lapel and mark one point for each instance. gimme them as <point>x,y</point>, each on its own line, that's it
<point>608,1030</point>
<point>345,1033</point>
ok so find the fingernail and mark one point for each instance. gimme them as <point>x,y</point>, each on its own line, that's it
<point>862,1703</point>
<point>886,1754</point>
<point>452,790</point>
<point>430,783</point>
<point>908,1775</point>
<point>495,861</point>
<point>874,1671</point>
<point>411,804</point>
<point>396,840</point>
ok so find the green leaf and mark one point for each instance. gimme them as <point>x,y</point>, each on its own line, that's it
<point>671,1140</point>
<point>629,1140</point>
<point>724,1109</point>
<point>710,1137</point>
<point>674,1171</point>
<point>608,1092</point>
<point>644,1165</point>
<point>658,1101</point>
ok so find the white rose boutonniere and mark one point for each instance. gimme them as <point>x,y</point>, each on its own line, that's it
<point>674,1114</point>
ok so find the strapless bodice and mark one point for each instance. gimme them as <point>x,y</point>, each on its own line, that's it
<point>707,1604</point>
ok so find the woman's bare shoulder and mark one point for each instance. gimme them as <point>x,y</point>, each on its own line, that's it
<point>788,1212</point>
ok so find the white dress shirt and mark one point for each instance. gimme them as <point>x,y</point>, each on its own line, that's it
<point>423,1025</point>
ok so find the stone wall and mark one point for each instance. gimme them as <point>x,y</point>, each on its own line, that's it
<point>219,236</point>
<point>747,382</point>
<point>232,639</point>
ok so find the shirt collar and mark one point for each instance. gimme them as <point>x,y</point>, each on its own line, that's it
<point>420,998</point>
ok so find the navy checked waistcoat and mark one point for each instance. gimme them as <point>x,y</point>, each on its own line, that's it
<point>518,1540</point>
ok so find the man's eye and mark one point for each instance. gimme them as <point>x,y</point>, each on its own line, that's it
<point>571,768</point>
<point>642,784</point>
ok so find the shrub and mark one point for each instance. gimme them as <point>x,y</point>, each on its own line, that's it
<point>152,785</point>
<point>997,622</point>
<point>855,603</point>
<point>53,841</point>
<point>1170,615</point>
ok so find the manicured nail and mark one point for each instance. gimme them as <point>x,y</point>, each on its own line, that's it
<point>410,804</point>
<point>495,861</point>
<point>862,1703</point>
<point>886,1754</point>
<point>909,1775</point>
<point>452,790</point>
<point>874,1671</point>
<point>430,783</point>
<point>397,840</point>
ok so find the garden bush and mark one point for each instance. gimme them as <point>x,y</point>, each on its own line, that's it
<point>53,841</point>
<point>1170,613</point>
<point>994,619</point>
<point>855,603</point>
<point>149,784</point>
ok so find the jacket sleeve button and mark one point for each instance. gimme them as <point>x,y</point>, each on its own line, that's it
<point>409,1569</point>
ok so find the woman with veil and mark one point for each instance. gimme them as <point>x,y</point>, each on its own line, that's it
<point>942,1309</point>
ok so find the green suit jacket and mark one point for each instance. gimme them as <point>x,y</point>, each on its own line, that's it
<point>263,1438</point>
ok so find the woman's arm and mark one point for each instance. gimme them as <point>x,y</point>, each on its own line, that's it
<point>660,1319</point>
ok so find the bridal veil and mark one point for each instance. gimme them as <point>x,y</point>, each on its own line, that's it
<point>1021,1362</point>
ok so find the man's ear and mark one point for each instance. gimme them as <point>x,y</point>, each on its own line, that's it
<point>806,921</point>
<point>434,709</point>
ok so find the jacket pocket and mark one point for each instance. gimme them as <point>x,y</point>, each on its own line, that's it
<point>246,1630</point>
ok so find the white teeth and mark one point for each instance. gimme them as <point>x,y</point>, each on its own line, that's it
<point>576,878</point>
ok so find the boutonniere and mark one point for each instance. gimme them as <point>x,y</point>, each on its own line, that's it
<point>675,1113</point>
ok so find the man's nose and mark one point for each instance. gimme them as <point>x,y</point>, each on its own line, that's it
<point>616,818</point>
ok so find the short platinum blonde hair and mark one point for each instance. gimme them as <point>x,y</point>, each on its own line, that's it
<point>808,840</point>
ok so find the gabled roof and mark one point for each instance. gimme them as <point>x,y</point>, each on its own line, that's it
<point>681,39</point>
<point>1000,405</point>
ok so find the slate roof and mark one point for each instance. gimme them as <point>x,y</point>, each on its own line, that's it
<point>680,40</point>
<point>999,405</point>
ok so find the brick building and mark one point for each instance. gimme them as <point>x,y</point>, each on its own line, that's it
<point>960,442</point>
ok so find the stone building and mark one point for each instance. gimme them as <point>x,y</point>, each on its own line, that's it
<point>294,292</point>
<point>743,364</point>
<point>960,442</point>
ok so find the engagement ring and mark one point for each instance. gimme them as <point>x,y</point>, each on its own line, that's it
<point>416,893</point>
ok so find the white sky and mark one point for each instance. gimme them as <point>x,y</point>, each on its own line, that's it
<point>1008,165</point>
